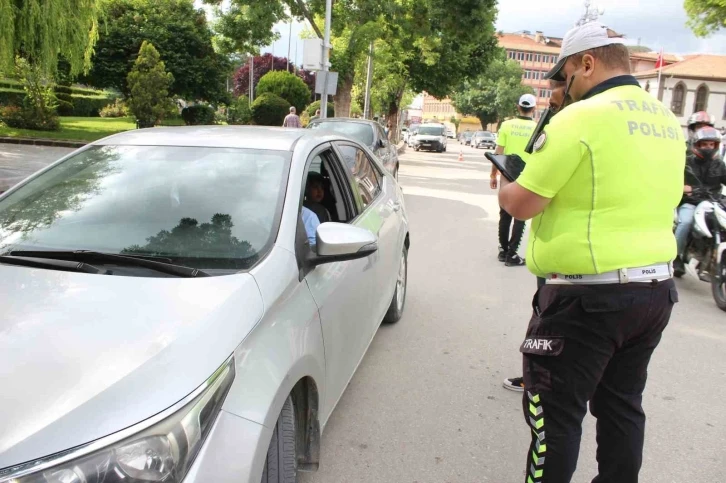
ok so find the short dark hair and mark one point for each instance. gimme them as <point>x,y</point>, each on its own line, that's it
<point>527,110</point>
<point>613,56</point>
<point>557,84</point>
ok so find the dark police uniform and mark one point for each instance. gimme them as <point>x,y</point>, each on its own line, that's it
<point>612,165</point>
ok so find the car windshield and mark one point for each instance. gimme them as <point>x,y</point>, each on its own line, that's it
<point>203,207</point>
<point>468,134</point>
<point>358,131</point>
<point>431,130</point>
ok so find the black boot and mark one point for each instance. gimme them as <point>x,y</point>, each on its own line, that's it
<point>679,269</point>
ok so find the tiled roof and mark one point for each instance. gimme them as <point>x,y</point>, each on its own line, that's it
<point>668,58</point>
<point>701,66</point>
<point>527,43</point>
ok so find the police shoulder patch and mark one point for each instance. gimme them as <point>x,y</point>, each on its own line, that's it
<point>540,142</point>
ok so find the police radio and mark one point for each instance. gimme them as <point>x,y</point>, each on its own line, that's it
<point>544,120</point>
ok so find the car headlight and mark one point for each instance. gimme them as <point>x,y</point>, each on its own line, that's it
<point>160,449</point>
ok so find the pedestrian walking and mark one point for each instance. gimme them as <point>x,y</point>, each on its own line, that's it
<point>601,185</point>
<point>511,140</point>
<point>292,119</point>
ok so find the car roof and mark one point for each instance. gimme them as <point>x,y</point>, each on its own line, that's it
<point>345,119</point>
<point>243,137</point>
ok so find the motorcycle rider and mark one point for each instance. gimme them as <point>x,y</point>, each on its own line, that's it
<point>695,122</point>
<point>706,165</point>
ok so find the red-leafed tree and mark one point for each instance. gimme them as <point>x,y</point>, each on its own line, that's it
<point>262,65</point>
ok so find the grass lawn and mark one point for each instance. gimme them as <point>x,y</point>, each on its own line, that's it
<point>82,128</point>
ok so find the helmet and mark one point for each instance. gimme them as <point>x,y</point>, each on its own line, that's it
<point>706,134</point>
<point>701,117</point>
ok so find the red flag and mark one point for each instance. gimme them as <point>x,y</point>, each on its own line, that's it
<point>659,64</point>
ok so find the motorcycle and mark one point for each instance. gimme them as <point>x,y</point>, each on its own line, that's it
<point>704,256</point>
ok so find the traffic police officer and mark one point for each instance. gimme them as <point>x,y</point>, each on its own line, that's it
<point>601,184</point>
<point>511,140</point>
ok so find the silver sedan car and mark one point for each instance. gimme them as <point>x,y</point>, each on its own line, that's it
<point>189,304</point>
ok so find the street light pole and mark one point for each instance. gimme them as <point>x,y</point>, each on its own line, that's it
<point>326,59</point>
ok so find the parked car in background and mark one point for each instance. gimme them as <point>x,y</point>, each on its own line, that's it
<point>430,137</point>
<point>483,139</point>
<point>167,314</point>
<point>465,137</point>
<point>368,133</point>
<point>450,133</point>
<point>404,134</point>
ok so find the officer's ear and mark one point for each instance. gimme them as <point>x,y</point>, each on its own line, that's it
<point>588,63</point>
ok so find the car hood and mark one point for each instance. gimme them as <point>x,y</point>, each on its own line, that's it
<point>83,356</point>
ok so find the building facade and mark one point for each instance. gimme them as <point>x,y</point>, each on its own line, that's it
<point>537,54</point>
<point>696,83</point>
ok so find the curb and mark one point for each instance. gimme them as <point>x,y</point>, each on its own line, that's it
<point>43,142</point>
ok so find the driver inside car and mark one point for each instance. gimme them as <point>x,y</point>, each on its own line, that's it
<point>705,164</point>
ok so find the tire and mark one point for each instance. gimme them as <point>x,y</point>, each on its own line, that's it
<point>281,462</point>
<point>398,303</point>
<point>718,287</point>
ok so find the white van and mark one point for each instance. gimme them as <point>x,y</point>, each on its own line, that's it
<point>431,137</point>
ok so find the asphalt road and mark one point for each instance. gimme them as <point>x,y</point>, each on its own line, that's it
<point>17,161</point>
<point>427,405</point>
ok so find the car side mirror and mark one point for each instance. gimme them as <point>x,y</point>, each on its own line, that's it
<point>339,242</point>
<point>381,143</point>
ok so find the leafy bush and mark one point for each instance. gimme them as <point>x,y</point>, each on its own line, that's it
<point>63,90</point>
<point>286,85</point>
<point>65,100</point>
<point>269,110</point>
<point>149,85</point>
<point>239,111</point>
<point>316,105</point>
<point>89,106</point>
<point>12,116</point>
<point>116,109</point>
<point>198,115</point>
<point>38,109</point>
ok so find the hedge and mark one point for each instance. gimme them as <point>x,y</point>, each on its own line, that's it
<point>198,115</point>
<point>90,106</point>
<point>11,97</point>
<point>269,110</point>
<point>316,105</point>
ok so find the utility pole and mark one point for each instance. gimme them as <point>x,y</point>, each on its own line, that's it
<point>252,79</point>
<point>289,44</point>
<point>369,83</point>
<point>326,59</point>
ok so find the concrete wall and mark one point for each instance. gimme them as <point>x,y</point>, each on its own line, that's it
<point>716,99</point>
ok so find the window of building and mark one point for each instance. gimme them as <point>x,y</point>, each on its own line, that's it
<point>529,57</point>
<point>537,57</point>
<point>679,94</point>
<point>511,54</point>
<point>520,55</point>
<point>701,103</point>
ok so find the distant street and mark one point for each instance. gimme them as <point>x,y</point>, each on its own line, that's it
<point>427,404</point>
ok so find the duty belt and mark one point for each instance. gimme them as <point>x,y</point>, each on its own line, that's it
<point>657,273</point>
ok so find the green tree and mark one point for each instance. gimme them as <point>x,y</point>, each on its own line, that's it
<point>181,35</point>
<point>38,30</point>
<point>286,85</point>
<point>269,110</point>
<point>244,26</point>
<point>239,111</point>
<point>706,16</point>
<point>492,96</point>
<point>148,83</point>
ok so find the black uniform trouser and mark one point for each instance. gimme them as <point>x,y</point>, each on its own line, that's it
<point>509,245</point>
<point>590,343</point>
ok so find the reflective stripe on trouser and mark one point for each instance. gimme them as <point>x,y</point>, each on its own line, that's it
<point>590,343</point>
<point>539,445</point>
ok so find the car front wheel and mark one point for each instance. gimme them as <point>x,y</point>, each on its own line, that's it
<point>395,310</point>
<point>281,462</point>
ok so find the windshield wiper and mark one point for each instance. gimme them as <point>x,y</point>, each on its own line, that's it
<point>71,266</point>
<point>127,260</point>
